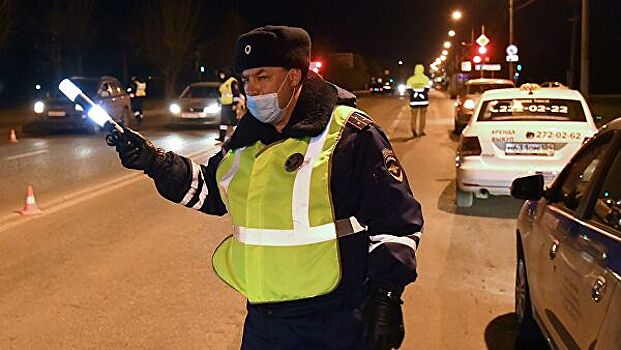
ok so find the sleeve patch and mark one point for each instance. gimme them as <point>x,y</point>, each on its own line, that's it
<point>392,164</point>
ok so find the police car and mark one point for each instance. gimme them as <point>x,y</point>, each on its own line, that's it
<point>518,132</point>
<point>568,271</point>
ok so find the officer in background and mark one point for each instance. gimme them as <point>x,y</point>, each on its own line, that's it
<point>325,226</point>
<point>229,100</point>
<point>418,88</point>
<point>137,92</point>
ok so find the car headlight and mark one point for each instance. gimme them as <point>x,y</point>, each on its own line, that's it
<point>174,108</point>
<point>401,88</point>
<point>212,108</point>
<point>79,108</point>
<point>469,104</point>
<point>39,107</point>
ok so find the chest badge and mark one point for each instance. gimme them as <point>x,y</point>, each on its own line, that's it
<point>294,162</point>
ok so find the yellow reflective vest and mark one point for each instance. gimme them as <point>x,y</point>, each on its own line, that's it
<point>226,91</point>
<point>285,241</point>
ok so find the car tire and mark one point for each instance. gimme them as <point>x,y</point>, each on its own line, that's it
<point>463,199</point>
<point>529,335</point>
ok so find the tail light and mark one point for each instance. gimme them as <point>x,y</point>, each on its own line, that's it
<point>469,146</point>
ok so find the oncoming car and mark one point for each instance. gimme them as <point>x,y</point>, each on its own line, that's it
<point>198,104</point>
<point>469,97</point>
<point>518,132</point>
<point>55,111</point>
<point>568,270</point>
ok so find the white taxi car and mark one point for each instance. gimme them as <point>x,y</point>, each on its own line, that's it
<point>518,132</point>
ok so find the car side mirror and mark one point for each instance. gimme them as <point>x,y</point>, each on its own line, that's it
<point>528,188</point>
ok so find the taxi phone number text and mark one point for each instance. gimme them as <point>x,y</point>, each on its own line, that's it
<point>558,135</point>
<point>530,108</point>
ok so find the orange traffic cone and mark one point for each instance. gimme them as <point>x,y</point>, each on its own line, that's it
<point>30,208</point>
<point>12,137</point>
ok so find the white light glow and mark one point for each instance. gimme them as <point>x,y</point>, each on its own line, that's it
<point>469,104</point>
<point>456,15</point>
<point>401,89</point>
<point>69,89</point>
<point>451,33</point>
<point>445,52</point>
<point>79,108</point>
<point>174,108</point>
<point>443,58</point>
<point>212,108</point>
<point>98,115</point>
<point>39,107</point>
<point>447,44</point>
<point>38,87</point>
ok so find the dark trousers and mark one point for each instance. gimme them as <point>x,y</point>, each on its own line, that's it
<point>335,324</point>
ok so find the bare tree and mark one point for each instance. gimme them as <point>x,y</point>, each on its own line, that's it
<point>169,36</point>
<point>5,22</point>
<point>79,15</point>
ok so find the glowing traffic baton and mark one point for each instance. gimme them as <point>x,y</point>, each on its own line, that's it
<point>94,111</point>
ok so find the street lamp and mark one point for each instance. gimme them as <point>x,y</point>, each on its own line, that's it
<point>443,58</point>
<point>451,33</point>
<point>445,52</point>
<point>447,44</point>
<point>456,15</point>
<point>400,62</point>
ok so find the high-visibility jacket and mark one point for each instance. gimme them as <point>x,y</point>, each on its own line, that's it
<point>226,91</point>
<point>418,86</point>
<point>141,89</point>
<point>285,241</point>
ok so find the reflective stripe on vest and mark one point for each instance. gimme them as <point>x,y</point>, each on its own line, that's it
<point>285,241</point>
<point>226,92</point>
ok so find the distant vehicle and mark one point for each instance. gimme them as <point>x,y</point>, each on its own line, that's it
<point>518,132</point>
<point>54,111</point>
<point>568,273</point>
<point>376,88</point>
<point>198,104</point>
<point>469,96</point>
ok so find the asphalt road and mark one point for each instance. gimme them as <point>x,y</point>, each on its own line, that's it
<point>110,264</point>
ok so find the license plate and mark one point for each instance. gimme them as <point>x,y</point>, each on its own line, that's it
<point>56,113</point>
<point>191,115</point>
<point>529,149</point>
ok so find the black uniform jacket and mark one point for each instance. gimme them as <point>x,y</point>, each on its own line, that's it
<point>367,182</point>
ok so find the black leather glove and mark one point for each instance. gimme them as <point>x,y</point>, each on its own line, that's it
<point>383,319</point>
<point>136,151</point>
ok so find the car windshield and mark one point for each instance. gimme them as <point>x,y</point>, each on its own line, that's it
<point>481,88</point>
<point>200,92</point>
<point>532,110</point>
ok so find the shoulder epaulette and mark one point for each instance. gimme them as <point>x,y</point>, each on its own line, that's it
<point>359,120</point>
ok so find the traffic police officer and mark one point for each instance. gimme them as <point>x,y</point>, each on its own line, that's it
<point>229,100</point>
<point>137,92</point>
<point>418,87</point>
<point>325,226</point>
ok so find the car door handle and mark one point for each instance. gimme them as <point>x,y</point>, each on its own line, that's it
<point>554,249</point>
<point>598,289</point>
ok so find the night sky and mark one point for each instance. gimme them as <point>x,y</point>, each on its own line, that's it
<point>385,31</point>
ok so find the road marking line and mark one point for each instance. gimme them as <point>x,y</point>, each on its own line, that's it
<point>395,123</point>
<point>24,155</point>
<point>12,220</point>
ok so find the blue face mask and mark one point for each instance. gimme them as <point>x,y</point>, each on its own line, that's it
<point>265,107</point>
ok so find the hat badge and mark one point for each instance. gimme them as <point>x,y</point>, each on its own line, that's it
<point>247,49</point>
